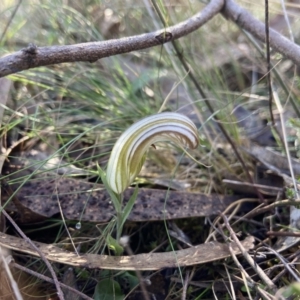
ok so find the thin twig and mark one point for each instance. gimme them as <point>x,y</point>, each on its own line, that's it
<point>232,291</point>
<point>285,140</point>
<point>12,281</point>
<point>284,262</point>
<point>46,278</point>
<point>268,75</point>
<point>268,61</point>
<point>282,233</point>
<point>235,206</point>
<point>265,294</point>
<point>42,256</point>
<point>138,273</point>
<point>269,80</point>
<point>287,21</point>
<point>242,270</point>
<point>260,210</point>
<point>249,259</point>
<point>185,285</point>
<point>245,275</point>
<point>283,271</point>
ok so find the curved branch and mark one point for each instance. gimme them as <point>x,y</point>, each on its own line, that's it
<point>257,28</point>
<point>33,56</point>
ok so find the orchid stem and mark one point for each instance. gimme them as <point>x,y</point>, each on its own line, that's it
<point>119,217</point>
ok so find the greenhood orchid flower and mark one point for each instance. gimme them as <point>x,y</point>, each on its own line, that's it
<point>129,152</point>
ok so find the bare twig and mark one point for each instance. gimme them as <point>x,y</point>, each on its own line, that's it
<point>185,285</point>
<point>232,291</point>
<point>9,276</point>
<point>46,278</point>
<point>257,28</point>
<point>286,146</point>
<point>283,233</point>
<point>287,21</point>
<point>138,273</point>
<point>268,55</point>
<point>269,81</point>
<point>283,271</point>
<point>284,262</point>
<point>249,259</point>
<point>235,206</point>
<point>262,209</point>
<point>42,256</point>
<point>248,279</point>
<point>33,56</point>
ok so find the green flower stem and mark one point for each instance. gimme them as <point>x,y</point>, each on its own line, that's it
<point>119,214</point>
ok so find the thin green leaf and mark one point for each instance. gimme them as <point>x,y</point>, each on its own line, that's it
<point>128,207</point>
<point>113,196</point>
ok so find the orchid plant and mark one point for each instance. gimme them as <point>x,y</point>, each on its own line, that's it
<point>129,154</point>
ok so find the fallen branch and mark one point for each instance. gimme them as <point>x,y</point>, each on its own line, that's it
<point>33,56</point>
<point>199,254</point>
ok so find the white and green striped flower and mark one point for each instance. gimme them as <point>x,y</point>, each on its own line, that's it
<point>129,152</point>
